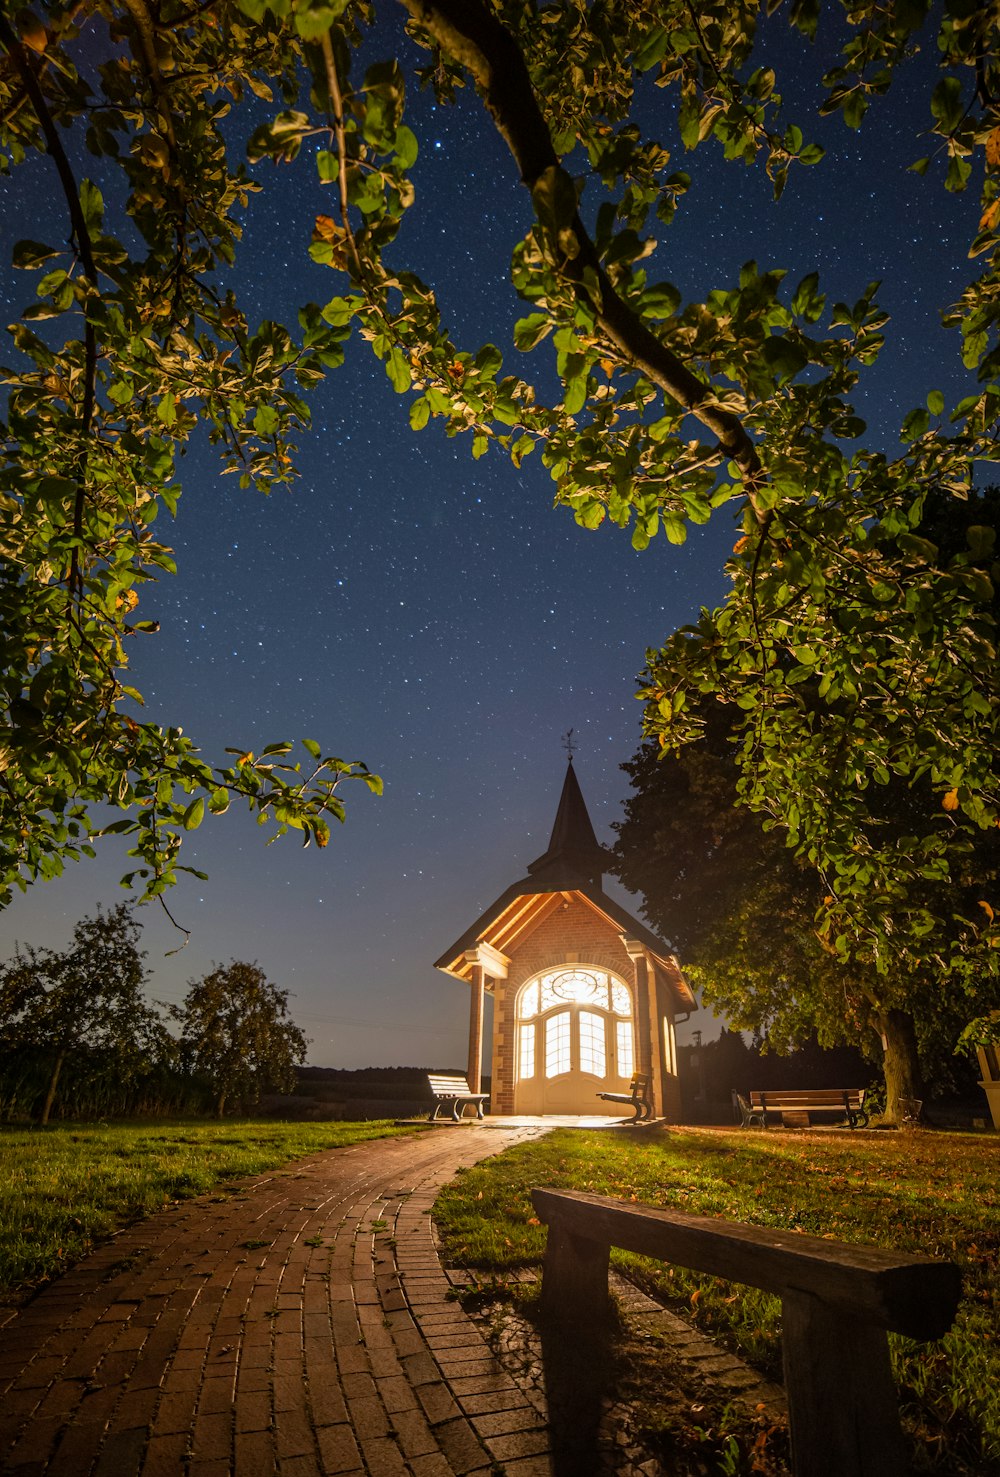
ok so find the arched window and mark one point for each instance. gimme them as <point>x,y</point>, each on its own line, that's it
<point>575,1019</point>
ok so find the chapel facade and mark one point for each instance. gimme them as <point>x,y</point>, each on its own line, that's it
<point>585,996</point>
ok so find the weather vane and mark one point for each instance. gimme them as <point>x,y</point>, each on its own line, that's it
<point>568,744</point>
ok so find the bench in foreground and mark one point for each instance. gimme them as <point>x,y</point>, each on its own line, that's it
<point>837,1304</point>
<point>795,1107</point>
<point>455,1090</point>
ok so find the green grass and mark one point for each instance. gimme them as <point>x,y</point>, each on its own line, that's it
<point>64,1189</point>
<point>933,1193</point>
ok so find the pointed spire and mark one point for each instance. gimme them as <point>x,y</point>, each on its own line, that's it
<point>573,850</point>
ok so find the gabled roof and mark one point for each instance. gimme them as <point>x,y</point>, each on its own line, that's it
<point>570,870</point>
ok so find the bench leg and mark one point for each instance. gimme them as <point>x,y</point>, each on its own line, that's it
<point>842,1402</point>
<point>574,1278</point>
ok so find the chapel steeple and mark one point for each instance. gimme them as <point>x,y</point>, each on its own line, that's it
<point>574,852</point>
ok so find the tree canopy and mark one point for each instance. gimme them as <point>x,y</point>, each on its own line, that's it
<point>854,650</point>
<point>741,910</point>
<point>237,1032</point>
<point>88,1000</point>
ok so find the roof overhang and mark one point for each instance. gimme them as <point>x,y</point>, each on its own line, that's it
<point>515,915</point>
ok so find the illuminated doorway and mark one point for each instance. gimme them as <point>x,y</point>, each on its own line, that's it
<point>575,1038</point>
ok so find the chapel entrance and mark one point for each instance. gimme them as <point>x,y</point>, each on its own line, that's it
<point>575,1038</point>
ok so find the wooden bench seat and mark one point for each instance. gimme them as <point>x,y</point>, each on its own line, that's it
<point>795,1107</point>
<point>837,1304</point>
<point>637,1098</point>
<point>456,1091</point>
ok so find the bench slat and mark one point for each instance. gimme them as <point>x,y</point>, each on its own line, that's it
<point>454,1090</point>
<point>906,1294</point>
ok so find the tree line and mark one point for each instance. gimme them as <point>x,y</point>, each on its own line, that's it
<point>81,1038</point>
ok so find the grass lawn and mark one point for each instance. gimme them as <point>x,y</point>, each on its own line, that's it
<point>934,1193</point>
<point>65,1188</point>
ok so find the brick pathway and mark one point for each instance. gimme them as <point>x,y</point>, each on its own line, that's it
<point>300,1326</point>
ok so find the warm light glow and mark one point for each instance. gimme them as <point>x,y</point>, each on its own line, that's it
<point>626,1062</point>
<point>526,1039</point>
<point>593,987</point>
<point>593,1047</point>
<point>557,1052</point>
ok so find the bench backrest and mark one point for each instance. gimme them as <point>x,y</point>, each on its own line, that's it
<point>818,1097</point>
<point>907,1294</point>
<point>639,1086</point>
<point>449,1086</point>
<point>837,1301</point>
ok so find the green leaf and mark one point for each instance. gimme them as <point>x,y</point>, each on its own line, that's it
<point>194,815</point>
<point>554,195</point>
<point>946,103</point>
<point>398,370</point>
<point>92,205</point>
<point>312,747</point>
<point>328,166</point>
<point>218,801</point>
<point>266,420</point>
<point>30,254</point>
<point>935,402</point>
<point>406,147</point>
<point>531,330</point>
<point>783,358</point>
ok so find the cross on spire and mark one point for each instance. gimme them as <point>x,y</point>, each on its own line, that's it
<point>568,744</point>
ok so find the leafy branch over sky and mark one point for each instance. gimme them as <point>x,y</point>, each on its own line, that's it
<point>856,651</point>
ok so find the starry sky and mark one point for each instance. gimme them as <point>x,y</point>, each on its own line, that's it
<point>435,616</point>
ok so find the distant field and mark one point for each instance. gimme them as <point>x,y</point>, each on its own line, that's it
<point>66,1188</point>
<point>935,1193</point>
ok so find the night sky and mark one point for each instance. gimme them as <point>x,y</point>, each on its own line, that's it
<point>436,616</point>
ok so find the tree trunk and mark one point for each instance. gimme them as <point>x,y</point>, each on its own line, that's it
<point>900,1062</point>
<point>220,1105</point>
<point>50,1096</point>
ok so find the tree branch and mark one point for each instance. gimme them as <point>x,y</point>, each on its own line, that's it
<point>472,36</point>
<point>337,108</point>
<point>53,143</point>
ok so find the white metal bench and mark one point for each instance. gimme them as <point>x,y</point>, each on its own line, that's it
<point>456,1091</point>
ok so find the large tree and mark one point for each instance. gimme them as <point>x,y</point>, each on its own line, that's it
<point>743,913</point>
<point>236,1031</point>
<point>89,1000</point>
<point>852,649</point>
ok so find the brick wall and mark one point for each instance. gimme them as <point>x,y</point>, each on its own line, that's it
<point>573,934</point>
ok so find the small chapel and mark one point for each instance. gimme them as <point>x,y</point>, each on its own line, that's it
<point>584,995</point>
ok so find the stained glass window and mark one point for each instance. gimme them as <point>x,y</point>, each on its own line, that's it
<point>593,987</point>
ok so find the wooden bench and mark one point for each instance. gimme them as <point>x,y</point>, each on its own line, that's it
<point>795,1108</point>
<point>455,1090</point>
<point>837,1304</point>
<point>637,1098</point>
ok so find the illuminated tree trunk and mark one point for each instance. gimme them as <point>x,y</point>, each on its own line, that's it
<point>900,1061</point>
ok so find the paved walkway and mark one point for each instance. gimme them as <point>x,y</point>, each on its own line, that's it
<point>302,1325</point>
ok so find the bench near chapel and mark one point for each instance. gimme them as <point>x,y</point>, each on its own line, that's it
<point>795,1108</point>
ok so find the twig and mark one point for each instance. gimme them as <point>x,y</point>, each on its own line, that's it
<point>337,104</point>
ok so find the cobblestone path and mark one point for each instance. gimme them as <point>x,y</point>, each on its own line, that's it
<point>302,1325</point>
